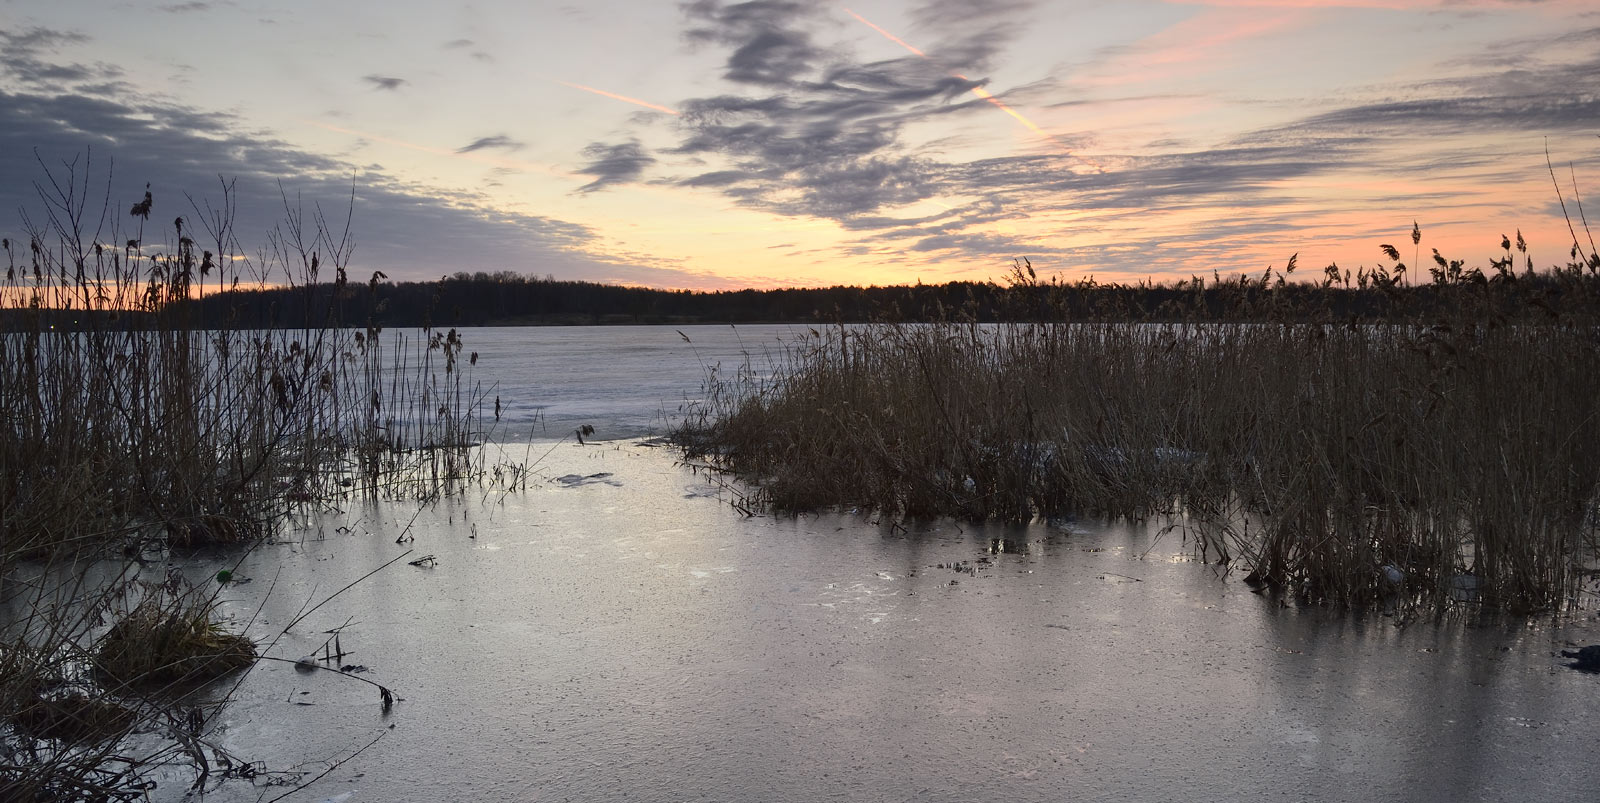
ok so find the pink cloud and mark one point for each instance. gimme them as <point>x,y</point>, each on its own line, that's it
<point>1201,43</point>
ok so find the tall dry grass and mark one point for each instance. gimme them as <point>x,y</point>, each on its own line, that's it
<point>131,421</point>
<point>127,413</point>
<point>1447,447</point>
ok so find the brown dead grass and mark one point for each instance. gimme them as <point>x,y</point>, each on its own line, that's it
<point>167,639</point>
<point>1454,440</point>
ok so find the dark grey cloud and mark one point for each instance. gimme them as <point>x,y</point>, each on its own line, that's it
<point>963,14</point>
<point>978,242</point>
<point>185,8</point>
<point>24,58</point>
<point>841,191</point>
<point>1237,173</point>
<point>1525,85</point>
<point>496,142</point>
<point>407,231</point>
<point>1072,103</point>
<point>820,133</point>
<point>614,164</point>
<point>105,89</point>
<point>880,85</point>
<point>968,35</point>
<point>39,40</point>
<point>1545,111</point>
<point>830,157</point>
<point>827,146</point>
<point>385,82</point>
<point>987,210</point>
<point>768,41</point>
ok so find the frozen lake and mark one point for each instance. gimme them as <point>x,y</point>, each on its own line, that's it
<point>620,632</point>
<point>626,381</point>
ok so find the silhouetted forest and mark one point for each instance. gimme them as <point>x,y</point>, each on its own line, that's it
<point>507,298</point>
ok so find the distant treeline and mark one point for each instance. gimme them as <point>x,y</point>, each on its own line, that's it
<point>508,298</point>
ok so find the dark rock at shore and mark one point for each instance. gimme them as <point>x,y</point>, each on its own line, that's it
<point>1585,658</point>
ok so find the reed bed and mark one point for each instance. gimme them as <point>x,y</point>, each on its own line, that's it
<point>1442,453</point>
<point>133,419</point>
<point>128,413</point>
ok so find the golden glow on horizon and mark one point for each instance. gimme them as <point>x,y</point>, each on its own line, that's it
<point>113,295</point>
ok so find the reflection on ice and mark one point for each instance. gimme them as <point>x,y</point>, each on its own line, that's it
<point>828,656</point>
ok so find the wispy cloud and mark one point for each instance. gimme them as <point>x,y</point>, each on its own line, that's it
<point>614,164</point>
<point>384,82</point>
<point>23,57</point>
<point>470,46</point>
<point>36,40</point>
<point>496,142</point>
<point>1534,96</point>
<point>186,8</point>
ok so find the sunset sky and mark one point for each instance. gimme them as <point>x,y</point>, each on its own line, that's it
<point>714,144</point>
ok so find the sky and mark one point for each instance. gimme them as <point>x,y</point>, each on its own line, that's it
<point>774,143</point>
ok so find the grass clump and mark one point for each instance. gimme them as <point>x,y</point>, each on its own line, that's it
<point>169,639</point>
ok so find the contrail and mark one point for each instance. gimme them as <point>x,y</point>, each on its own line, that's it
<point>615,96</point>
<point>985,94</point>
<point>977,90</point>
<point>380,138</point>
<point>891,37</point>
